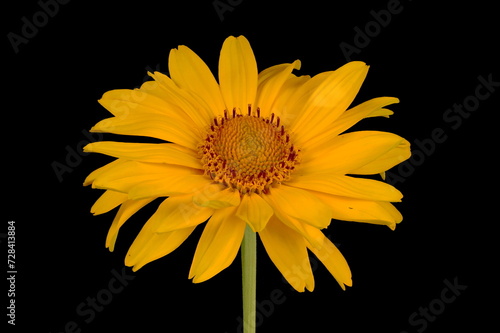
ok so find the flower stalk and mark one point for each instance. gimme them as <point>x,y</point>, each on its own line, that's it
<point>249,279</point>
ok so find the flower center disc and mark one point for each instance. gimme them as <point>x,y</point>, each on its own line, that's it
<point>247,152</point>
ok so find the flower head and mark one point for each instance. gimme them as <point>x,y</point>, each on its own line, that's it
<point>267,150</point>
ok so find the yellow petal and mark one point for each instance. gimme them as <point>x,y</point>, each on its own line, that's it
<point>329,100</point>
<point>357,210</point>
<point>107,201</point>
<point>186,101</point>
<point>300,204</point>
<point>237,74</point>
<point>271,81</point>
<point>126,102</point>
<point>152,125</point>
<point>127,209</point>
<point>216,196</point>
<point>312,234</point>
<point>136,178</point>
<point>102,170</point>
<point>346,186</point>
<point>188,71</point>
<point>371,108</point>
<point>352,151</point>
<point>218,245</point>
<point>255,211</point>
<point>295,94</point>
<point>147,152</point>
<point>141,108</point>
<point>150,246</point>
<point>168,186</point>
<point>287,249</point>
<point>386,161</point>
<point>334,261</point>
<point>284,105</point>
<point>178,212</point>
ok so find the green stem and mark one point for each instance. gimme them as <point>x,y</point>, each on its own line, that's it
<point>249,278</point>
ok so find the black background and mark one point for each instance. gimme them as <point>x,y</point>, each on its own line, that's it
<point>430,56</point>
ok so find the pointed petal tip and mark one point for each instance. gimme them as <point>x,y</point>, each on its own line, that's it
<point>199,278</point>
<point>358,63</point>
<point>232,39</point>
<point>297,64</point>
<point>359,66</point>
<point>195,280</point>
<point>88,148</point>
<point>255,211</point>
<point>129,261</point>
<point>238,73</point>
<point>345,284</point>
<point>240,37</point>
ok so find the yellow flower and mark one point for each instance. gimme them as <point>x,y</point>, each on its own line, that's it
<point>260,149</point>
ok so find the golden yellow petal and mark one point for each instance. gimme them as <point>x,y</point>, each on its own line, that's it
<point>127,209</point>
<point>168,186</point>
<point>178,212</point>
<point>216,196</point>
<point>357,210</point>
<point>189,72</point>
<point>287,249</point>
<point>126,102</point>
<point>371,108</point>
<point>135,178</point>
<point>169,153</point>
<point>187,103</point>
<point>152,125</point>
<point>218,245</point>
<point>102,170</point>
<point>271,80</point>
<point>352,151</point>
<point>237,74</point>
<point>386,161</point>
<point>151,246</point>
<point>299,204</point>
<point>312,234</point>
<point>346,186</point>
<point>328,101</point>
<point>334,261</point>
<point>295,95</point>
<point>284,105</point>
<point>255,211</point>
<point>107,201</point>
